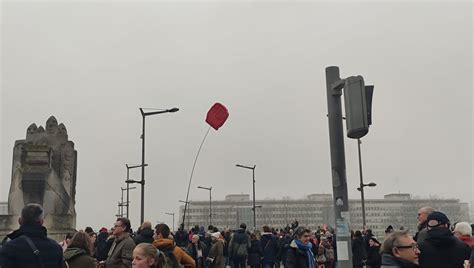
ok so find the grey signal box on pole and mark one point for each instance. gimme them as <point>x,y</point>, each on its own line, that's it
<point>355,100</point>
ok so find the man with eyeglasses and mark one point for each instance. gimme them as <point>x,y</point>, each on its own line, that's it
<point>441,249</point>
<point>121,252</point>
<point>422,217</point>
<point>399,250</point>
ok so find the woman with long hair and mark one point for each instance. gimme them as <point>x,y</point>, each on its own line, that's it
<point>78,252</point>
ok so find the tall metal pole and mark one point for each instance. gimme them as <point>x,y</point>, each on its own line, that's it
<point>254,210</point>
<point>142,212</point>
<point>362,197</point>
<point>334,86</point>
<point>210,206</point>
<point>128,188</point>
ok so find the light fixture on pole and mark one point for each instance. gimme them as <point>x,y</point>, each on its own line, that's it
<point>362,185</point>
<point>210,201</point>
<point>128,178</point>
<point>253,207</point>
<point>171,214</point>
<point>144,115</point>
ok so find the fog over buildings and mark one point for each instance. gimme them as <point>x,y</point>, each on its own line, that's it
<point>92,64</point>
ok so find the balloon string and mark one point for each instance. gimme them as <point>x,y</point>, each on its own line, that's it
<point>192,172</point>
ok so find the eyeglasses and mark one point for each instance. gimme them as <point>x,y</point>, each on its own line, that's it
<point>413,246</point>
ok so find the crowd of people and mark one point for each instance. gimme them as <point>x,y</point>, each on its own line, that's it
<point>437,243</point>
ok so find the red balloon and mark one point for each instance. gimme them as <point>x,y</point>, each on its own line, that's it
<point>217,115</point>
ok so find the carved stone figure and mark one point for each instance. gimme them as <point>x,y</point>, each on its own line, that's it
<point>44,172</point>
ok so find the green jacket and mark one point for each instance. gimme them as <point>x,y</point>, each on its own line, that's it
<point>78,258</point>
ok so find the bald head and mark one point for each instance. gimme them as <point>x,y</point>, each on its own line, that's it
<point>423,213</point>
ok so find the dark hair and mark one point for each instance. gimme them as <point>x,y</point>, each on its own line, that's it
<point>81,240</point>
<point>31,214</point>
<point>266,229</point>
<point>162,229</point>
<point>300,231</point>
<point>126,223</point>
<point>89,229</point>
<point>69,236</point>
<point>243,226</point>
<point>357,233</point>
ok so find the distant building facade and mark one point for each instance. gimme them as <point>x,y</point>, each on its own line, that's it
<point>398,210</point>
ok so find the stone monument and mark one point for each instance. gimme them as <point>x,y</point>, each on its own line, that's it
<point>44,172</point>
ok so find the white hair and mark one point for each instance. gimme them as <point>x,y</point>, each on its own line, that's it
<point>463,228</point>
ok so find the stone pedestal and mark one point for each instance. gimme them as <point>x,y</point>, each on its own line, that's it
<point>44,172</point>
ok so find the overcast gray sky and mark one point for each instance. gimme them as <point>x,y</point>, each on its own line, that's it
<point>93,64</point>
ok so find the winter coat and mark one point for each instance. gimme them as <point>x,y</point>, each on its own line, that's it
<point>283,248</point>
<point>297,258</point>
<point>269,247</point>
<point>255,253</point>
<point>181,238</point>
<point>120,254</point>
<point>217,253</point>
<point>239,244</point>
<point>390,261</point>
<point>442,250</point>
<point>145,236</point>
<point>164,244</point>
<point>374,260</point>
<point>102,247</point>
<point>17,253</point>
<point>358,251</point>
<point>78,258</point>
<point>193,252</point>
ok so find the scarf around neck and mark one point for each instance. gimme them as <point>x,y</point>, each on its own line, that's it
<point>309,253</point>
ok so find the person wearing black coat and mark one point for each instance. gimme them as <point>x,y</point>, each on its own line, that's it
<point>102,248</point>
<point>359,254</point>
<point>145,234</point>
<point>283,247</point>
<point>300,253</point>
<point>269,247</point>
<point>198,251</point>
<point>441,248</point>
<point>374,260</point>
<point>255,252</point>
<point>18,253</point>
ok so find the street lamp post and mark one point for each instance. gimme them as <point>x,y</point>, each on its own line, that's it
<point>144,115</point>
<point>171,214</point>
<point>210,201</point>
<point>128,179</point>
<point>362,185</point>
<point>253,207</point>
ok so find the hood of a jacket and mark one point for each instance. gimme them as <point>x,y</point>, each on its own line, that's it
<point>440,237</point>
<point>163,243</point>
<point>71,253</point>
